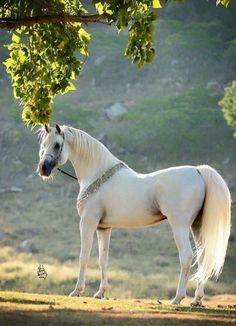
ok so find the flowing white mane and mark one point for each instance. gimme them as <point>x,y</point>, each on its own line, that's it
<point>88,148</point>
<point>89,157</point>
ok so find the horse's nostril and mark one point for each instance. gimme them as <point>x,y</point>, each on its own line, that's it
<point>44,167</point>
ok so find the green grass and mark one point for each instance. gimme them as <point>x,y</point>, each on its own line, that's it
<point>91,304</point>
<point>23,308</point>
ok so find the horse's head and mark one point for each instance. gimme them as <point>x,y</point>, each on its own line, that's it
<point>53,150</point>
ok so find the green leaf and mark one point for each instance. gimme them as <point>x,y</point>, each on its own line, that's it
<point>70,87</point>
<point>73,75</point>
<point>15,38</point>
<point>223,2</point>
<point>84,51</point>
<point>9,62</point>
<point>84,35</point>
<point>156,4</point>
<point>100,8</point>
<point>21,56</point>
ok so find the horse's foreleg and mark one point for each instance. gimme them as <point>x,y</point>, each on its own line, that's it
<point>103,243</point>
<point>87,229</point>
<point>181,236</point>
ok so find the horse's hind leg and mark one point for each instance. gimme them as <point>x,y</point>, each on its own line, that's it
<point>104,236</point>
<point>181,236</point>
<point>199,293</point>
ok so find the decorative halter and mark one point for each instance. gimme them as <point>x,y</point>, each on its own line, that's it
<point>93,187</point>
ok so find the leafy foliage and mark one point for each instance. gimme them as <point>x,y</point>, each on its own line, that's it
<point>228,104</point>
<point>42,58</point>
<point>46,56</point>
<point>223,2</point>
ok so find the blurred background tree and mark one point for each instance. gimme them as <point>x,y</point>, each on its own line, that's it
<point>228,104</point>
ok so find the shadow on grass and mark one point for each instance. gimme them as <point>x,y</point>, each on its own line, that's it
<point>71,317</point>
<point>27,301</point>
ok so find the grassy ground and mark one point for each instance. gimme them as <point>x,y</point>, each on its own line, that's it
<point>34,309</point>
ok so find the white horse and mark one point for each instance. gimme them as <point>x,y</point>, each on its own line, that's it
<point>112,195</point>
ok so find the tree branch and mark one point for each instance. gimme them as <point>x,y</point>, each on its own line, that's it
<point>11,23</point>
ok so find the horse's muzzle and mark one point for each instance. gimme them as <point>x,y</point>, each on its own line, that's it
<point>45,168</point>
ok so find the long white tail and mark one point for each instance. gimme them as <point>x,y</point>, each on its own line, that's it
<point>213,235</point>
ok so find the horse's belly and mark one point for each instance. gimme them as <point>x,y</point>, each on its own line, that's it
<point>129,203</point>
<point>131,221</point>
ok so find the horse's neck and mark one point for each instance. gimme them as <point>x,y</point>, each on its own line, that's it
<point>89,157</point>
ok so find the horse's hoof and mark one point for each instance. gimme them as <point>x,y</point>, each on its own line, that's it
<point>74,294</point>
<point>196,303</point>
<point>99,295</point>
<point>176,301</point>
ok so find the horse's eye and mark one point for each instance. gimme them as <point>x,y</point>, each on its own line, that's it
<point>56,146</point>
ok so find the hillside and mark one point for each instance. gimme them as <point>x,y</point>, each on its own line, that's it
<point>172,118</point>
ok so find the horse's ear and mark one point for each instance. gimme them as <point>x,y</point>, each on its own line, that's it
<point>47,128</point>
<point>58,128</point>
